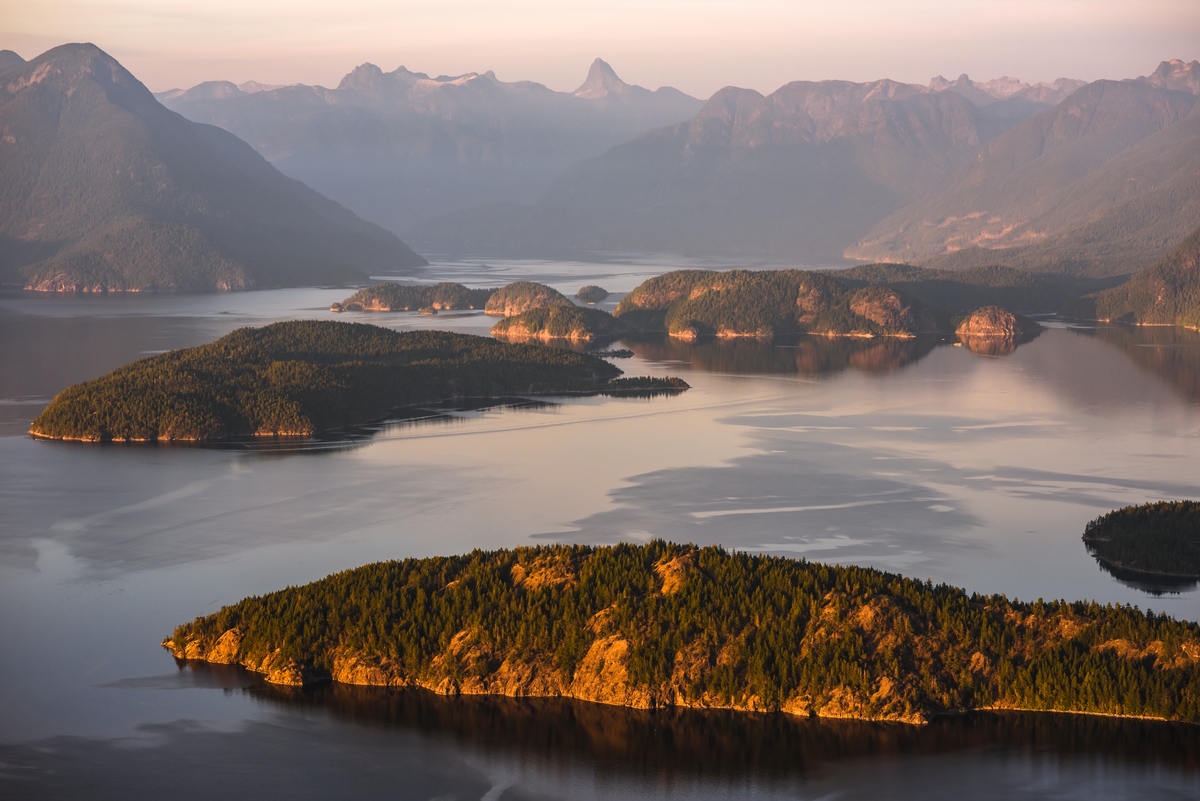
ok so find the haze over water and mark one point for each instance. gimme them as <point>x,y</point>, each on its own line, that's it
<point>923,459</point>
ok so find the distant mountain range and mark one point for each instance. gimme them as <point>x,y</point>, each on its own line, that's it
<point>1091,181</point>
<point>400,147</point>
<point>1104,183</point>
<point>105,189</point>
<point>1007,101</point>
<point>1087,180</point>
<point>804,171</point>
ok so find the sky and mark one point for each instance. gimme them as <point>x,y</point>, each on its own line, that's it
<point>697,46</point>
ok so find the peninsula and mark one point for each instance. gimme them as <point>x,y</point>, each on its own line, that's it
<point>663,625</point>
<point>300,377</point>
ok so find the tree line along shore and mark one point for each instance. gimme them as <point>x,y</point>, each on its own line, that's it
<point>677,625</point>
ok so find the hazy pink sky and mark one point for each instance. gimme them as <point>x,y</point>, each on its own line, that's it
<point>695,45</point>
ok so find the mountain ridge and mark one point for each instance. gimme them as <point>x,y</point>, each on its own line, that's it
<point>796,172</point>
<point>398,147</point>
<point>166,204</point>
<point>1074,189</point>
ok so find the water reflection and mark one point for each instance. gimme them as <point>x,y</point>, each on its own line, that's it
<point>807,356</point>
<point>1169,353</point>
<point>450,412</point>
<point>1149,583</point>
<point>413,744</point>
<point>997,346</point>
<point>560,748</point>
<point>727,745</point>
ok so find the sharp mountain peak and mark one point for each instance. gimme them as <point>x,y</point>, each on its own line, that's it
<point>601,81</point>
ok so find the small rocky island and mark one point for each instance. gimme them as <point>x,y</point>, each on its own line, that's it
<point>1154,539</point>
<point>592,294</point>
<point>664,625</point>
<point>993,321</point>
<point>993,331</point>
<point>691,304</point>
<point>297,378</point>
<point>575,323</point>
<point>521,296</point>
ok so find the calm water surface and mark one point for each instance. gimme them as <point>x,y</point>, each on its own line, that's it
<point>916,457</point>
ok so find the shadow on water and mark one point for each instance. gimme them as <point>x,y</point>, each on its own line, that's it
<point>1150,583</point>
<point>372,742</point>
<point>726,745</point>
<point>805,355</point>
<point>451,412</point>
<point>1170,353</point>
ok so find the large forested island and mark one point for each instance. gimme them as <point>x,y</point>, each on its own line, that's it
<point>690,304</point>
<point>1154,539</point>
<point>297,378</point>
<point>669,625</point>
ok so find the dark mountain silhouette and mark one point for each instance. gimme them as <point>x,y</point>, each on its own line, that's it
<point>1104,183</point>
<point>398,147</point>
<point>10,59</point>
<point>1167,293</point>
<point>104,188</point>
<point>803,171</point>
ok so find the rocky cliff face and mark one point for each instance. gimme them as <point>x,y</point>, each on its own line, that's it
<point>889,309</point>
<point>993,331</point>
<point>991,321</point>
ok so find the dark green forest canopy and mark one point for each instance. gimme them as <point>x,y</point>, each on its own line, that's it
<point>1162,538</point>
<point>1166,293</point>
<point>296,378</point>
<point>560,322</point>
<point>772,302</point>
<point>390,296</point>
<point>961,291</point>
<point>707,623</point>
